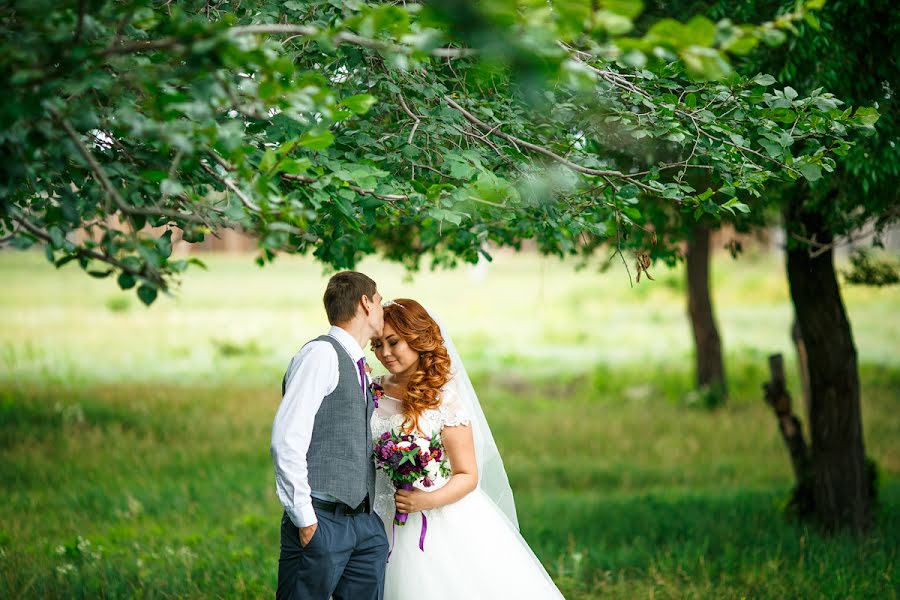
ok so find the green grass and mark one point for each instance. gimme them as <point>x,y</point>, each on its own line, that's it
<point>134,443</point>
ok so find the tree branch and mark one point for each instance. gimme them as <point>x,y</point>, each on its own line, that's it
<point>344,37</point>
<point>245,200</point>
<point>539,149</point>
<point>848,238</point>
<point>147,273</point>
<point>386,197</point>
<point>111,192</point>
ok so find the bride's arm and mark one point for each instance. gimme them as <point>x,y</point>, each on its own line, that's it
<point>460,449</point>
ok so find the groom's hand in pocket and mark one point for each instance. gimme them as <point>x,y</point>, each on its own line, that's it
<point>307,533</point>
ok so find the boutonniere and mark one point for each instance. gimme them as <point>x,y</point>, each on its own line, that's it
<point>377,392</point>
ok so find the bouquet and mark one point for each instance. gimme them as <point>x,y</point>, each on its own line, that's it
<point>408,459</point>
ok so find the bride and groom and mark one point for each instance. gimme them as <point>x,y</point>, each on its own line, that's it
<point>461,538</point>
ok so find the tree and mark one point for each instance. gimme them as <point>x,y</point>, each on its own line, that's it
<point>832,49</point>
<point>863,191</point>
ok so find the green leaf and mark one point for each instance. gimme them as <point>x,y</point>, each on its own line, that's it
<point>626,8</point>
<point>360,103</point>
<point>812,20</point>
<point>153,175</point>
<point>65,260</point>
<point>774,37</point>
<point>736,204</point>
<point>737,139</point>
<point>765,80</point>
<point>572,15</point>
<point>868,116</point>
<point>164,244</point>
<point>705,64</point>
<point>613,23</point>
<point>295,167</point>
<point>126,281</point>
<point>147,294</point>
<point>774,150</point>
<point>701,30</point>
<point>740,43</point>
<point>669,32</point>
<point>316,141</point>
<point>632,213</point>
<point>460,168</point>
<point>57,237</point>
<point>810,171</point>
<point>268,160</point>
<point>199,263</point>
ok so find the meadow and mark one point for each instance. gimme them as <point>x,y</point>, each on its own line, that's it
<point>134,442</point>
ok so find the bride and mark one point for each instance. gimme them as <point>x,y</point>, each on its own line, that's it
<point>461,539</point>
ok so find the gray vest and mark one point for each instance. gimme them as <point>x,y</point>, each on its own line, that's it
<point>339,459</point>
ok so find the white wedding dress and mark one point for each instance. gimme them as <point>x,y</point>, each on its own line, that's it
<point>472,551</point>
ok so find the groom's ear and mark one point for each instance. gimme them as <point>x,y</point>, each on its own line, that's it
<point>366,304</point>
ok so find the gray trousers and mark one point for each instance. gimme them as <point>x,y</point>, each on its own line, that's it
<point>344,560</point>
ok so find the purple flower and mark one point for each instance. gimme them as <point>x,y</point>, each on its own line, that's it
<point>386,435</point>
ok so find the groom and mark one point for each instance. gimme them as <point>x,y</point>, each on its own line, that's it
<point>332,544</point>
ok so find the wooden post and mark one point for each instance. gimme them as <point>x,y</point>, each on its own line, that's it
<point>779,399</point>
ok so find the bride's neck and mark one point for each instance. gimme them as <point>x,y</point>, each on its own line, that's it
<point>400,381</point>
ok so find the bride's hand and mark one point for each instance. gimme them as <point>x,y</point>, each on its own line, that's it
<point>410,501</point>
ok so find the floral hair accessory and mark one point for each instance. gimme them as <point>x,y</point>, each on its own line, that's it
<point>391,303</point>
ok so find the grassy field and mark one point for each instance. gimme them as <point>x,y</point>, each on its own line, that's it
<point>134,443</point>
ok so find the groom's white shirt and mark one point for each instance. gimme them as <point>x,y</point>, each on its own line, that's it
<point>314,377</point>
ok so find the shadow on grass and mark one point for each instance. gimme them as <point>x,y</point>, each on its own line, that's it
<point>706,544</point>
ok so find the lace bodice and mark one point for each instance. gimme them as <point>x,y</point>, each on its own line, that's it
<point>388,416</point>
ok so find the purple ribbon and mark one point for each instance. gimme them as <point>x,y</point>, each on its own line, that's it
<point>424,530</point>
<point>401,518</point>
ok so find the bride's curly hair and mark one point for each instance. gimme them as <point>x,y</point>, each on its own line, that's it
<point>413,323</point>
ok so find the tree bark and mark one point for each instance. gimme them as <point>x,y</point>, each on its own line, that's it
<point>840,479</point>
<point>710,368</point>
<point>802,362</point>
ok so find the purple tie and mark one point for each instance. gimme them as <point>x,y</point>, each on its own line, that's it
<point>361,363</point>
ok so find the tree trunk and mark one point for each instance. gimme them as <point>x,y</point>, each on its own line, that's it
<point>710,368</point>
<point>841,488</point>
<point>802,362</point>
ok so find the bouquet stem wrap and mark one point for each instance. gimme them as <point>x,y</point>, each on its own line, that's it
<point>401,518</point>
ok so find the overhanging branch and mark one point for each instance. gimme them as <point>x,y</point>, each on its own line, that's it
<point>359,190</point>
<point>495,130</point>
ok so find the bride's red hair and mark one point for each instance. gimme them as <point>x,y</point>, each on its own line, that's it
<point>413,323</point>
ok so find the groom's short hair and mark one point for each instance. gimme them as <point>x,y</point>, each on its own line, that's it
<point>343,293</point>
